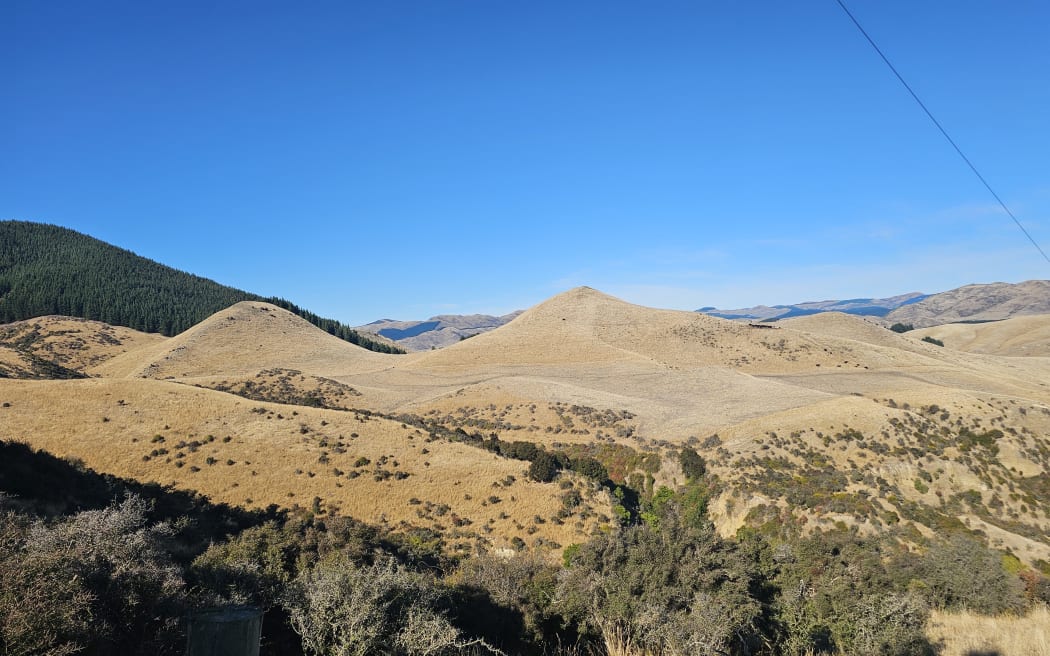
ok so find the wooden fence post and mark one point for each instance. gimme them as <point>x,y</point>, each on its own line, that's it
<point>231,631</point>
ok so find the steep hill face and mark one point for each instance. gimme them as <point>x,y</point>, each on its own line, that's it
<point>241,340</point>
<point>587,326</point>
<point>436,332</point>
<point>1024,336</point>
<point>990,302</point>
<point>48,270</point>
<point>802,417</point>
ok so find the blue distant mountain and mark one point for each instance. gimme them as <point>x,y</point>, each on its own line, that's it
<point>412,331</point>
<point>436,332</point>
<point>869,307</point>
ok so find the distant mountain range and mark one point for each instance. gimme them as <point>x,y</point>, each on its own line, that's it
<point>869,307</point>
<point>436,332</point>
<point>969,304</point>
<point>972,303</point>
<point>975,304</point>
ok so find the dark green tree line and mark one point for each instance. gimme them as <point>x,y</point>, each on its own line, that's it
<point>46,269</point>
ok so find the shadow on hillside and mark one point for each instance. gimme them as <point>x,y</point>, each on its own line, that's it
<point>42,484</point>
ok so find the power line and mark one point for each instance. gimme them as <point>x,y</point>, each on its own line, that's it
<point>943,131</point>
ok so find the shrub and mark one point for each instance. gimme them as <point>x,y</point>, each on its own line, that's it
<point>837,595</point>
<point>693,466</point>
<point>893,623</point>
<point>43,607</point>
<point>99,580</point>
<point>590,468</point>
<point>571,499</point>
<point>524,583</point>
<point>383,609</point>
<point>544,467</point>
<point>251,568</point>
<point>519,450</point>
<point>678,590</point>
<point>961,573</point>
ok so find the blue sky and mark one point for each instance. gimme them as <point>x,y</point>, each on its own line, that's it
<point>404,159</point>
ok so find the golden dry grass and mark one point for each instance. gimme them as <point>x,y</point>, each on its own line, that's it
<point>242,340</point>
<point>677,375</point>
<point>78,344</point>
<point>14,364</point>
<point>983,302</point>
<point>285,455</point>
<point>966,634</point>
<point>1017,337</point>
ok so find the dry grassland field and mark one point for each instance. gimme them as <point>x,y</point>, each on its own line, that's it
<point>831,418</point>
<point>280,407</point>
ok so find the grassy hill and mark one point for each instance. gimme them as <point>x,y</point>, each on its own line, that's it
<point>855,476</point>
<point>50,270</point>
<point>976,303</point>
<point>1018,336</point>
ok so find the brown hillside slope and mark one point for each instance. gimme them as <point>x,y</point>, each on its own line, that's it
<point>584,340</point>
<point>77,344</point>
<point>835,418</point>
<point>583,347</point>
<point>903,360</point>
<point>254,454</point>
<point>586,326</point>
<point>15,364</point>
<point>242,340</point>
<point>990,302</point>
<point>850,326</point>
<point>1018,337</point>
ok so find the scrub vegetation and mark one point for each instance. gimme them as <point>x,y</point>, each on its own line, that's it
<point>100,565</point>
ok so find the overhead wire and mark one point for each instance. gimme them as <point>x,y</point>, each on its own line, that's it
<point>942,130</point>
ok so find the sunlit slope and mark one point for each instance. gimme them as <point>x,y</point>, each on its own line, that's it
<point>904,361</point>
<point>1017,337</point>
<point>583,345</point>
<point>584,326</point>
<point>988,302</point>
<point>848,326</point>
<point>671,368</point>
<point>255,454</point>
<point>244,339</point>
<point>77,344</point>
<point>829,417</point>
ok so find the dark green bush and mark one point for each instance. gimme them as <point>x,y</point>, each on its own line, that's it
<point>680,589</point>
<point>693,466</point>
<point>590,468</point>
<point>544,467</point>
